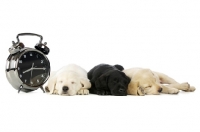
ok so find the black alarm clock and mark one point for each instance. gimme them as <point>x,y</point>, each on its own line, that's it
<point>27,69</point>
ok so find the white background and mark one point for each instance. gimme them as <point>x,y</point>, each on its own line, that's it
<point>161,35</point>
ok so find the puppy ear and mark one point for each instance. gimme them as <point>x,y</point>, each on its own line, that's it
<point>134,89</point>
<point>85,83</point>
<point>101,82</point>
<point>46,89</point>
<point>51,84</point>
<point>127,78</point>
<point>119,67</point>
<point>140,91</point>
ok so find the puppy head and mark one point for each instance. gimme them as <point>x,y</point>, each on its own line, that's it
<point>144,82</point>
<point>115,81</point>
<point>67,84</point>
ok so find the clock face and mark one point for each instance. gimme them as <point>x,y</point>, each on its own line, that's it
<point>33,68</point>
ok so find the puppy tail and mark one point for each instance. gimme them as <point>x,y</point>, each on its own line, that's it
<point>119,67</point>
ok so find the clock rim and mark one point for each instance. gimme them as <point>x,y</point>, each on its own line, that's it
<point>17,62</point>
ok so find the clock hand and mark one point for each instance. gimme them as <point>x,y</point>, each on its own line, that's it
<point>27,70</point>
<point>31,71</point>
<point>34,69</point>
<point>38,68</point>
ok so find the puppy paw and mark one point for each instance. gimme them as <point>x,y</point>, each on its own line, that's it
<point>103,92</point>
<point>173,91</point>
<point>191,89</point>
<point>83,92</point>
<point>185,86</point>
<point>55,92</point>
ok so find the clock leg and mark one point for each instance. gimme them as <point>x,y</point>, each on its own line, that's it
<point>28,90</point>
<point>20,88</point>
<point>41,87</point>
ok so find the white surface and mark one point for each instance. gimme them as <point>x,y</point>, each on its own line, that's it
<point>161,35</point>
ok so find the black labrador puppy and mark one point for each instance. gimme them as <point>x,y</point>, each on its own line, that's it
<point>108,80</point>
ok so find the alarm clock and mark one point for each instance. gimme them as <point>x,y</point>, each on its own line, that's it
<point>27,69</point>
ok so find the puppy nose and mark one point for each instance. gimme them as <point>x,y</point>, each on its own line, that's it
<point>160,90</point>
<point>121,90</point>
<point>65,88</point>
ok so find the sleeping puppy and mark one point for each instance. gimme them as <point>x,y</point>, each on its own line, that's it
<point>108,80</point>
<point>145,81</point>
<point>69,80</point>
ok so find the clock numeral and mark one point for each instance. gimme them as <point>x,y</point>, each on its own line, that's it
<point>42,61</point>
<point>42,76</point>
<point>20,76</point>
<point>25,80</point>
<point>24,56</point>
<point>31,54</point>
<point>18,68</point>
<point>31,82</point>
<point>38,81</point>
<point>20,61</point>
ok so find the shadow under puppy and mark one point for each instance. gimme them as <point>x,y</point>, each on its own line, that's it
<point>108,80</point>
<point>145,81</point>
<point>69,80</point>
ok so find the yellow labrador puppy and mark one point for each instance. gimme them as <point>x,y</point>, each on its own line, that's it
<point>69,80</point>
<point>145,81</point>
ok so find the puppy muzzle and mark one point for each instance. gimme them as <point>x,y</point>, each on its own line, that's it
<point>64,90</point>
<point>160,90</point>
<point>119,92</point>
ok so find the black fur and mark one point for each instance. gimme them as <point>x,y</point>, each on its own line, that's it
<point>108,80</point>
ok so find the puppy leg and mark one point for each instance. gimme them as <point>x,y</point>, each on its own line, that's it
<point>191,89</point>
<point>174,84</point>
<point>55,91</point>
<point>180,86</point>
<point>83,91</point>
<point>183,86</point>
<point>103,92</point>
<point>93,90</point>
<point>169,90</point>
<point>165,79</point>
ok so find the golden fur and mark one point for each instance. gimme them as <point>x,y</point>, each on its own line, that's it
<point>145,81</point>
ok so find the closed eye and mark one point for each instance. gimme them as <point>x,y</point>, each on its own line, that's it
<point>147,87</point>
<point>125,82</point>
<point>115,80</point>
